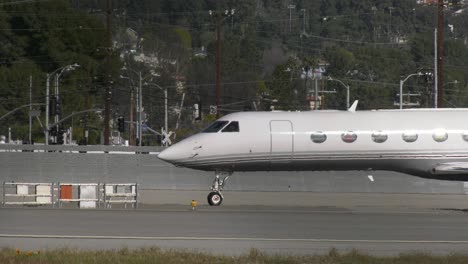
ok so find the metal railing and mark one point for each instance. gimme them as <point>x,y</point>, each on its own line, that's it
<point>20,193</point>
<point>85,195</point>
<point>121,193</point>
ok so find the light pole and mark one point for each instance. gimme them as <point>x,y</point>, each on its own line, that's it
<point>401,86</point>
<point>165,108</point>
<point>347,89</point>
<point>131,139</point>
<point>139,106</point>
<point>48,100</point>
<point>290,7</point>
<point>303,10</point>
<point>57,97</point>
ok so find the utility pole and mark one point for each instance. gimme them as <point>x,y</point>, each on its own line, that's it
<point>435,69</point>
<point>137,104</point>
<point>57,103</point>
<point>290,7</point>
<point>316,93</point>
<point>165,111</point>
<point>108,75</point>
<point>30,109</point>
<point>440,53</point>
<point>140,109</point>
<point>218,64</point>
<point>47,110</point>
<point>303,20</point>
<point>218,54</point>
<point>132,128</point>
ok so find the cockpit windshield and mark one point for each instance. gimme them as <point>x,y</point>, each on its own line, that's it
<point>215,127</point>
<point>232,127</point>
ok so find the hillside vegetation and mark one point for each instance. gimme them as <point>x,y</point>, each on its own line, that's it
<point>368,45</point>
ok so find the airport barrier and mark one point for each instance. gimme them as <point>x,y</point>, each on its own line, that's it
<point>20,193</point>
<point>84,195</point>
<point>120,193</point>
<point>87,195</point>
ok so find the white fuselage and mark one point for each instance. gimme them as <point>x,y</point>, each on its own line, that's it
<point>416,141</point>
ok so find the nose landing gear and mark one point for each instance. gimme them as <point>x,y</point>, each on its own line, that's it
<point>215,198</point>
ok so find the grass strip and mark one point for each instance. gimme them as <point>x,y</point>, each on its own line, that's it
<point>156,255</point>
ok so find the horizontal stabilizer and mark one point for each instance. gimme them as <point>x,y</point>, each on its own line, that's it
<point>451,168</point>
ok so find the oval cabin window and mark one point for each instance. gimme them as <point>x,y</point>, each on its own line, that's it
<point>318,137</point>
<point>465,135</point>
<point>440,135</point>
<point>349,137</point>
<point>410,136</point>
<point>379,137</point>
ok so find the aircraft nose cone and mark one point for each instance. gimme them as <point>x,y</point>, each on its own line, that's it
<point>169,154</point>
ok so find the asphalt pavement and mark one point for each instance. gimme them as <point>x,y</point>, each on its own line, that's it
<point>232,230</point>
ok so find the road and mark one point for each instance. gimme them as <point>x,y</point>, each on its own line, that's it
<point>232,230</point>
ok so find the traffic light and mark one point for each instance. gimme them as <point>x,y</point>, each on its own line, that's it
<point>121,124</point>
<point>60,137</point>
<point>53,106</point>
<point>58,106</point>
<point>53,132</point>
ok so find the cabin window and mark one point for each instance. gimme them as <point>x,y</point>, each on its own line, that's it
<point>215,127</point>
<point>232,127</point>
<point>410,136</point>
<point>349,137</point>
<point>465,136</point>
<point>318,137</point>
<point>379,137</point>
<point>440,135</point>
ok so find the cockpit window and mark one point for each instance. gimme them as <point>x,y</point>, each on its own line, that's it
<point>232,127</point>
<point>215,127</point>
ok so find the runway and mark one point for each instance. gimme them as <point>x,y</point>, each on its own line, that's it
<point>232,230</point>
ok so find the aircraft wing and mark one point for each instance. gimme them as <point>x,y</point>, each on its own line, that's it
<point>451,168</point>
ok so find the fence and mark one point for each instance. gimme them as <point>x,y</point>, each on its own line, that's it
<point>85,195</point>
<point>123,193</point>
<point>20,193</point>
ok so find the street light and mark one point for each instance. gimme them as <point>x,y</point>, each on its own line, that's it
<point>346,86</point>
<point>401,86</point>
<point>165,108</point>
<point>94,110</point>
<point>57,77</point>
<point>57,123</point>
<point>48,100</point>
<point>139,103</point>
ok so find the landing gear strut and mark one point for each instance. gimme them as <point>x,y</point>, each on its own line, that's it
<point>215,198</point>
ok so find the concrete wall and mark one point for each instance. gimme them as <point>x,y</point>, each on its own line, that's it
<point>123,165</point>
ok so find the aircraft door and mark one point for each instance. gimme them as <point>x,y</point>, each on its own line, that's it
<point>282,138</point>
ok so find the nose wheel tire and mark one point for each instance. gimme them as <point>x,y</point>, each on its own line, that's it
<point>215,199</point>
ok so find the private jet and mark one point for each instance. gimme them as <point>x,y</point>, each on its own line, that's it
<point>428,143</point>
